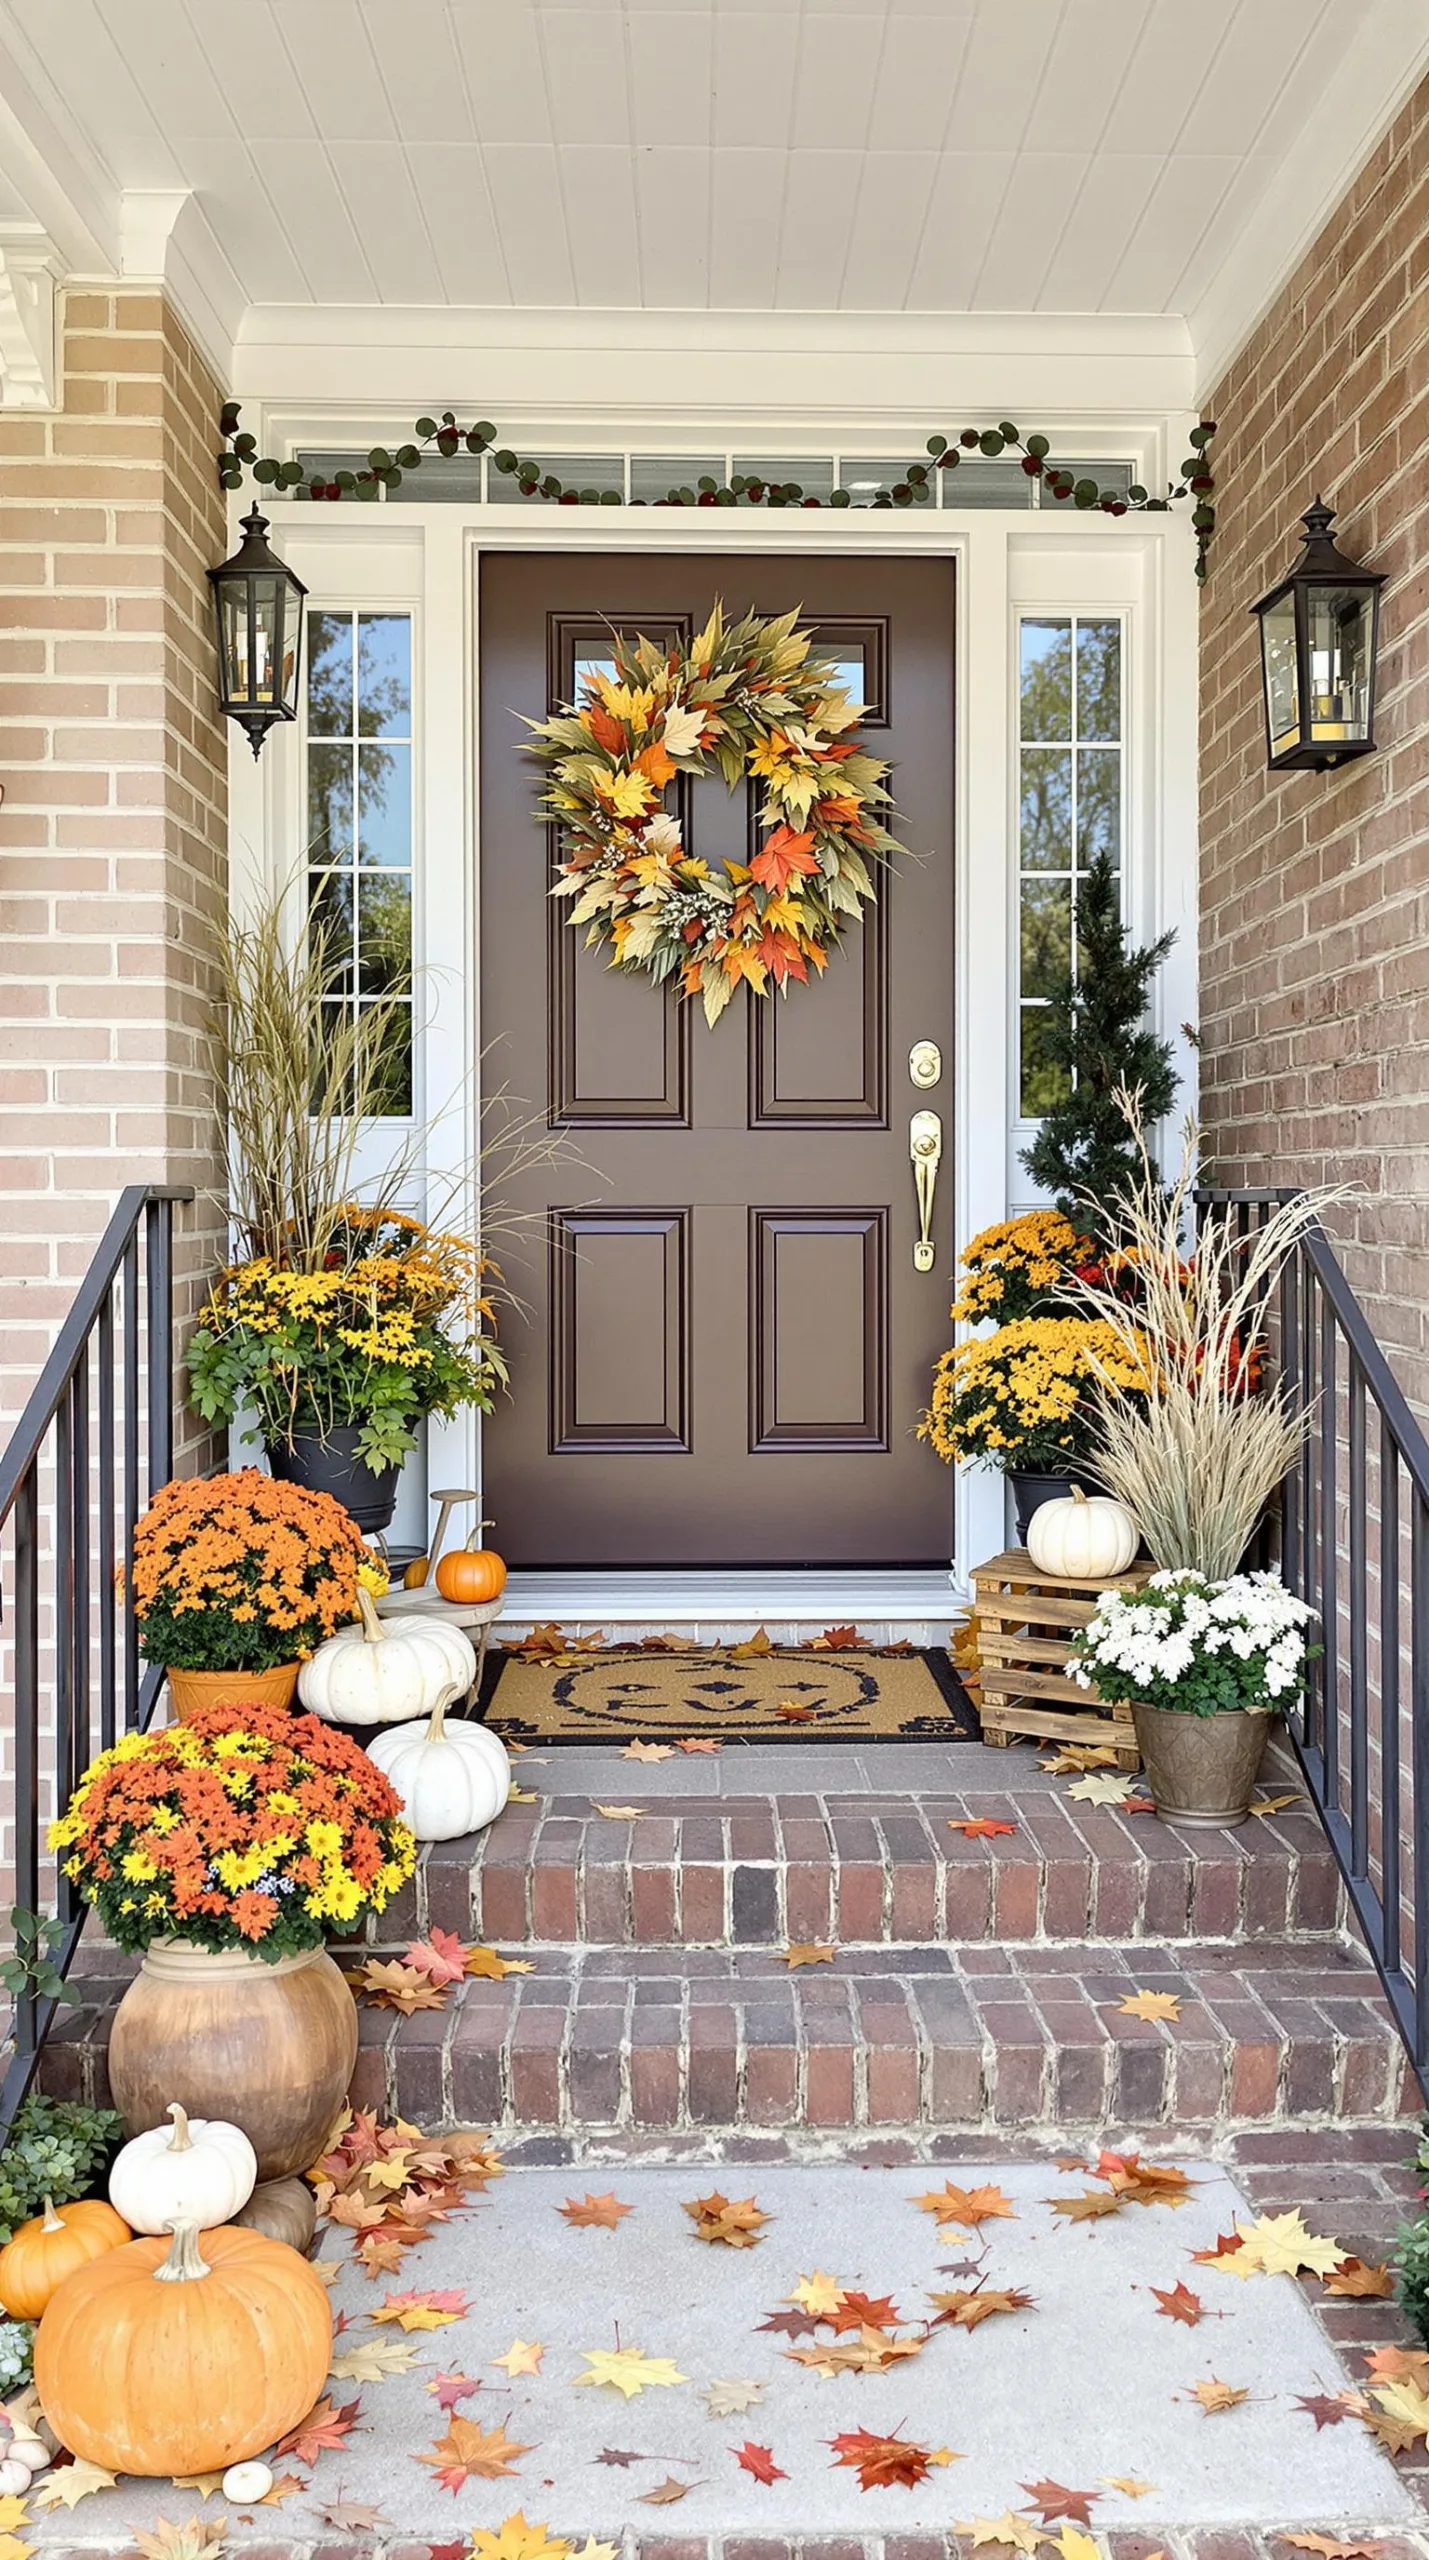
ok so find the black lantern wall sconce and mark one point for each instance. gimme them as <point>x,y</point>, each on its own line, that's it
<point>258,609</point>
<point>1319,644</point>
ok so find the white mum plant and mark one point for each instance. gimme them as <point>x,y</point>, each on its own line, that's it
<point>1205,1648</point>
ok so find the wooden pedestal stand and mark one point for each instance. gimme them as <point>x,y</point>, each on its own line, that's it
<point>1024,1623</point>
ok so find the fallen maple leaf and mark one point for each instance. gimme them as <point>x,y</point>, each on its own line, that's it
<point>518,2540</point>
<point>398,1986</point>
<point>801,1951</point>
<point>372,2360</point>
<point>795,1711</point>
<point>621,1812</point>
<point>1142,2181</point>
<point>1275,1804</point>
<point>1362,2282</point>
<point>758,2460</point>
<point>207,2483</point>
<point>1092,2205</point>
<point>1150,2005</point>
<point>421,2310</point>
<point>520,1795</point>
<point>1129,2485</point>
<point>983,1828</point>
<point>967,2207</point>
<point>1011,2532</point>
<point>287,2485</point>
<point>699,1742</point>
<point>440,1953</point>
<point>1330,2547</point>
<point>1101,1787</point>
<point>191,2540</point>
<point>1327,2408</point>
<point>967,2310</point>
<point>1226,2245</point>
<point>594,2213</point>
<point>648,1751</point>
<point>1053,2501</point>
<point>1075,1757</point>
<point>628,2370</point>
<point>817,2293</point>
<point>470,2452</point>
<point>321,2431</point>
<point>590,2549</point>
<point>855,2310</point>
<point>483,1964</point>
<point>522,2356</point>
<point>838,1640</point>
<point>1074,2545</point>
<point>752,1648</point>
<point>1180,2303</point>
<point>1280,2244</point>
<point>1216,2396</point>
<point>667,2492</point>
<point>731,2399</point>
<point>350,2516</point>
<point>791,2324</point>
<point>882,2462</point>
<point>716,2219</point>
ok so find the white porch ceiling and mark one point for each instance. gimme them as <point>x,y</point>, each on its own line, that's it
<point>1052,157</point>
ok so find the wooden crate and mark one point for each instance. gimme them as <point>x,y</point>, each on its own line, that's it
<point>1024,1621</point>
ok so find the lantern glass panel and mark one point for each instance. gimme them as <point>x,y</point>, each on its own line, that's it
<point>1340,631</point>
<point>1282,691</point>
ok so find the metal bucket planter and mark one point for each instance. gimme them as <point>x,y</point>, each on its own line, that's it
<point>1201,1770</point>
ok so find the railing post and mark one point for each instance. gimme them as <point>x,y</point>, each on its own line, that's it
<point>159,1243</point>
<point>27,1721</point>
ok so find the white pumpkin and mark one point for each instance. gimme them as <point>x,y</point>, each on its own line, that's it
<point>1087,1538</point>
<point>451,1778</point>
<point>32,2454</point>
<point>387,1670</point>
<point>244,2483</point>
<point>192,2170</point>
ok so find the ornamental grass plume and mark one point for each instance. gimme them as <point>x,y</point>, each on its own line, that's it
<point>1196,1457</point>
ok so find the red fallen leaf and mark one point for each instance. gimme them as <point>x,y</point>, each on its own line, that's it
<point>448,2388</point>
<point>1053,2501</point>
<point>837,1640</point>
<point>324,2430</point>
<point>855,2309</point>
<point>440,1953</point>
<point>791,2324</point>
<point>1225,2247</point>
<point>697,1742</point>
<point>984,1829</point>
<point>882,2462</point>
<point>618,2459</point>
<point>758,2460</point>
<point>448,2551</point>
<point>1327,2408</point>
<point>1180,2303</point>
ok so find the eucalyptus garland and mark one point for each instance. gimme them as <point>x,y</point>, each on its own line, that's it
<point>743,699</point>
<point>444,439</point>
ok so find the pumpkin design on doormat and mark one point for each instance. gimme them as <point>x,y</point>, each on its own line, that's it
<point>749,701</point>
<point>802,1696</point>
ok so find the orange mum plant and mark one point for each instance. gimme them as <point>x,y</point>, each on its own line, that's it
<point>246,1827</point>
<point>240,1573</point>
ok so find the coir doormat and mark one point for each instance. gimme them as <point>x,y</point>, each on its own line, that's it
<point>786,1697</point>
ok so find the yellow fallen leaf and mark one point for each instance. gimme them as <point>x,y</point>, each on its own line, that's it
<point>648,1751</point>
<point>522,2356</point>
<point>817,2293</point>
<point>11,2547</point>
<point>1215,2396</point>
<point>12,2512</point>
<point>65,2488</point>
<point>521,1795</point>
<point>1278,2244</point>
<point>622,1812</point>
<point>1075,2545</point>
<point>628,2370</point>
<point>1150,2005</point>
<point>1012,2532</point>
<point>801,1951</point>
<point>1129,2486</point>
<point>518,2540</point>
<point>207,2483</point>
<point>1276,1804</point>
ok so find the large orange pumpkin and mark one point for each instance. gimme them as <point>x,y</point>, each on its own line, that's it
<point>161,2358</point>
<point>471,1574</point>
<point>43,2252</point>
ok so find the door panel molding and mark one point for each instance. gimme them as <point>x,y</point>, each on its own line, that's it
<point>795,1352</point>
<point>620,1332</point>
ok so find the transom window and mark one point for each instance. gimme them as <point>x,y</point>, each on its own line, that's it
<point>1071,804</point>
<point>359,822</point>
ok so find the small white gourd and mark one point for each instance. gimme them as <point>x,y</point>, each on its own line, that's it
<point>1087,1538</point>
<point>14,2478</point>
<point>452,1779</point>
<point>195,2169</point>
<point>30,2452</point>
<point>387,1670</point>
<point>244,2483</point>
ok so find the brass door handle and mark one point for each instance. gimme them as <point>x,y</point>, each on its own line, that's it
<point>925,1146</point>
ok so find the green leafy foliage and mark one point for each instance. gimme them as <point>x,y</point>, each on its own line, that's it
<point>445,438</point>
<point>30,1966</point>
<point>17,2349</point>
<point>56,2148</point>
<point>1097,1034</point>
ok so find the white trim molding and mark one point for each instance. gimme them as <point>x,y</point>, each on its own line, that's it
<point>29,339</point>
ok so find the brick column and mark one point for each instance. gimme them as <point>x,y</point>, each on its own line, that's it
<point>113,853</point>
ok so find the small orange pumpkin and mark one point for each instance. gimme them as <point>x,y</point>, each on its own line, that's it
<point>471,1574</point>
<point>162,2358</point>
<point>42,2253</point>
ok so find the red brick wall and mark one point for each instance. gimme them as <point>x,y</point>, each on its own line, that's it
<point>1315,887</point>
<point>113,848</point>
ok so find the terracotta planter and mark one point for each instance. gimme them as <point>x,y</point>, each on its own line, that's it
<point>191,1690</point>
<point>269,2047</point>
<point>1201,1770</point>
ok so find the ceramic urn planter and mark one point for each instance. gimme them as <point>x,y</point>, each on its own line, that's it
<point>1201,1770</point>
<point>268,2047</point>
<point>190,1690</point>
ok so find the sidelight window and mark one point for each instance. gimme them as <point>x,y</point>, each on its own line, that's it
<point>1071,807</point>
<point>359,823</point>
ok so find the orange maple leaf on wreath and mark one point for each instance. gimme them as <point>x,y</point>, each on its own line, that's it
<point>784,856</point>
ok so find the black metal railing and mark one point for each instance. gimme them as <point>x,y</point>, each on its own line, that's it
<point>1352,1538</point>
<point>95,1440</point>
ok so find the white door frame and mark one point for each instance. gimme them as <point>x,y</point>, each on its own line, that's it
<point>426,557</point>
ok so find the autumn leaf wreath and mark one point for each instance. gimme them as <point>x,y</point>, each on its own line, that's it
<point>745,699</point>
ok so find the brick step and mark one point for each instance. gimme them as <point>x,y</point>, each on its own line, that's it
<point>596,2041</point>
<point>756,1870</point>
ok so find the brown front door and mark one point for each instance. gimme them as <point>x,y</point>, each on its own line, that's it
<point>723,1344</point>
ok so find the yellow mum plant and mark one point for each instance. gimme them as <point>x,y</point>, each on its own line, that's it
<point>1019,1397</point>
